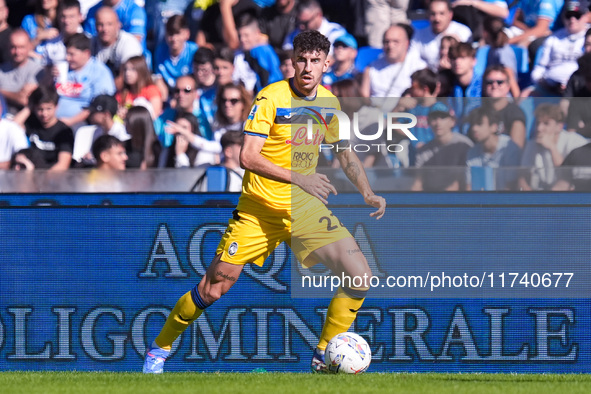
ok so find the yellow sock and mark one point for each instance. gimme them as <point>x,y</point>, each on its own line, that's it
<point>184,313</point>
<point>339,317</point>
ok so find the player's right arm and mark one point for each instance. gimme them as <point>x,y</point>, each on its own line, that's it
<point>252,160</point>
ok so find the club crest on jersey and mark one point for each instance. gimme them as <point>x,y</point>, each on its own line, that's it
<point>233,248</point>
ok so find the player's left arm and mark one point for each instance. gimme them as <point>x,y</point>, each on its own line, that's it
<point>353,168</point>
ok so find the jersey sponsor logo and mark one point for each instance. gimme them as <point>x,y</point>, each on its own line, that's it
<point>303,159</point>
<point>69,89</point>
<point>299,138</point>
<point>233,248</point>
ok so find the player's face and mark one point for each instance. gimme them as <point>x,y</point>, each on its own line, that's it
<point>309,67</point>
<point>70,20</point>
<point>45,112</point>
<point>223,71</point>
<point>496,85</point>
<point>439,16</point>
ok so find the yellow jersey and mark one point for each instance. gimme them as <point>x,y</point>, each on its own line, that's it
<point>281,116</point>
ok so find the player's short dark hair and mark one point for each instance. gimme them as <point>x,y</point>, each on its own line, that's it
<point>231,138</point>
<point>408,29</point>
<point>104,143</point>
<point>175,24</point>
<point>79,41</point>
<point>463,49</point>
<point>42,95</point>
<point>425,78</point>
<point>477,116</point>
<point>203,55</point>
<point>67,4</point>
<point>311,41</point>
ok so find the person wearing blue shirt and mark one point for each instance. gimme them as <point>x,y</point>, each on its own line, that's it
<point>174,57</point>
<point>86,79</point>
<point>343,67</point>
<point>467,86</point>
<point>133,18</point>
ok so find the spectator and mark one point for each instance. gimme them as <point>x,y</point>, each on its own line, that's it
<point>473,13</point>
<point>447,42</point>
<point>185,128</point>
<point>559,53</point>
<point>511,116</point>
<point>389,76</point>
<point>427,40</point>
<point>492,149</point>
<point>380,15</point>
<point>112,45</point>
<point>12,140</point>
<point>343,65</point>
<point>174,57</point>
<point>311,17</point>
<point>500,52</point>
<point>218,25</point>
<point>424,87</point>
<point>549,148</point>
<point>86,79</point>
<point>231,144</point>
<point>278,20</point>
<point>256,64</point>
<point>467,87</point>
<point>138,88</point>
<point>51,138</point>
<point>573,174</point>
<point>143,148</point>
<point>53,51</point>
<point>576,98</point>
<point>286,64</point>
<point>186,98</point>
<point>42,25</point>
<point>233,103</point>
<point>203,71</point>
<point>223,66</point>
<point>5,32</point>
<point>158,12</point>
<point>20,76</point>
<point>102,109</point>
<point>447,152</point>
<point>132,17</point>
<point>576,85</point>
<point>110,153</point>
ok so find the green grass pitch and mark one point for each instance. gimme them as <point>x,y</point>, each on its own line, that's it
<point>107,382</point>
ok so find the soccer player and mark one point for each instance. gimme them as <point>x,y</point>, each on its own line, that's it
<point>283,199</point>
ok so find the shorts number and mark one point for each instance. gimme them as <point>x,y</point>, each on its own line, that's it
<point>329,226</point>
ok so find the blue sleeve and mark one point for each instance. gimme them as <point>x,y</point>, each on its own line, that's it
<point>136,22</point>
<point>266,64</point>
<point>106,84</point>
<point>550,9</point>
<point>30,26</point>
<point>90,22</point>
<point>160,67</point>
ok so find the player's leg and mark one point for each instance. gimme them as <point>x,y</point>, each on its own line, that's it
<point>219,278</point>
<point>344,258</point>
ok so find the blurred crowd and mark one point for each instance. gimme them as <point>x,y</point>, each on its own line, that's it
<point>119,84</point>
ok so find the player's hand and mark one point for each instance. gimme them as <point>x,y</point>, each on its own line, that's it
<point>378,202</point>
<point>316,185</point>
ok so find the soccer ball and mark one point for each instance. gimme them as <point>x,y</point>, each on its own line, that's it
<point>347,353</point>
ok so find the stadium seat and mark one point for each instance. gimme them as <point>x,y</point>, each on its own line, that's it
<point>217,179</point>
<point>366,55</point>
